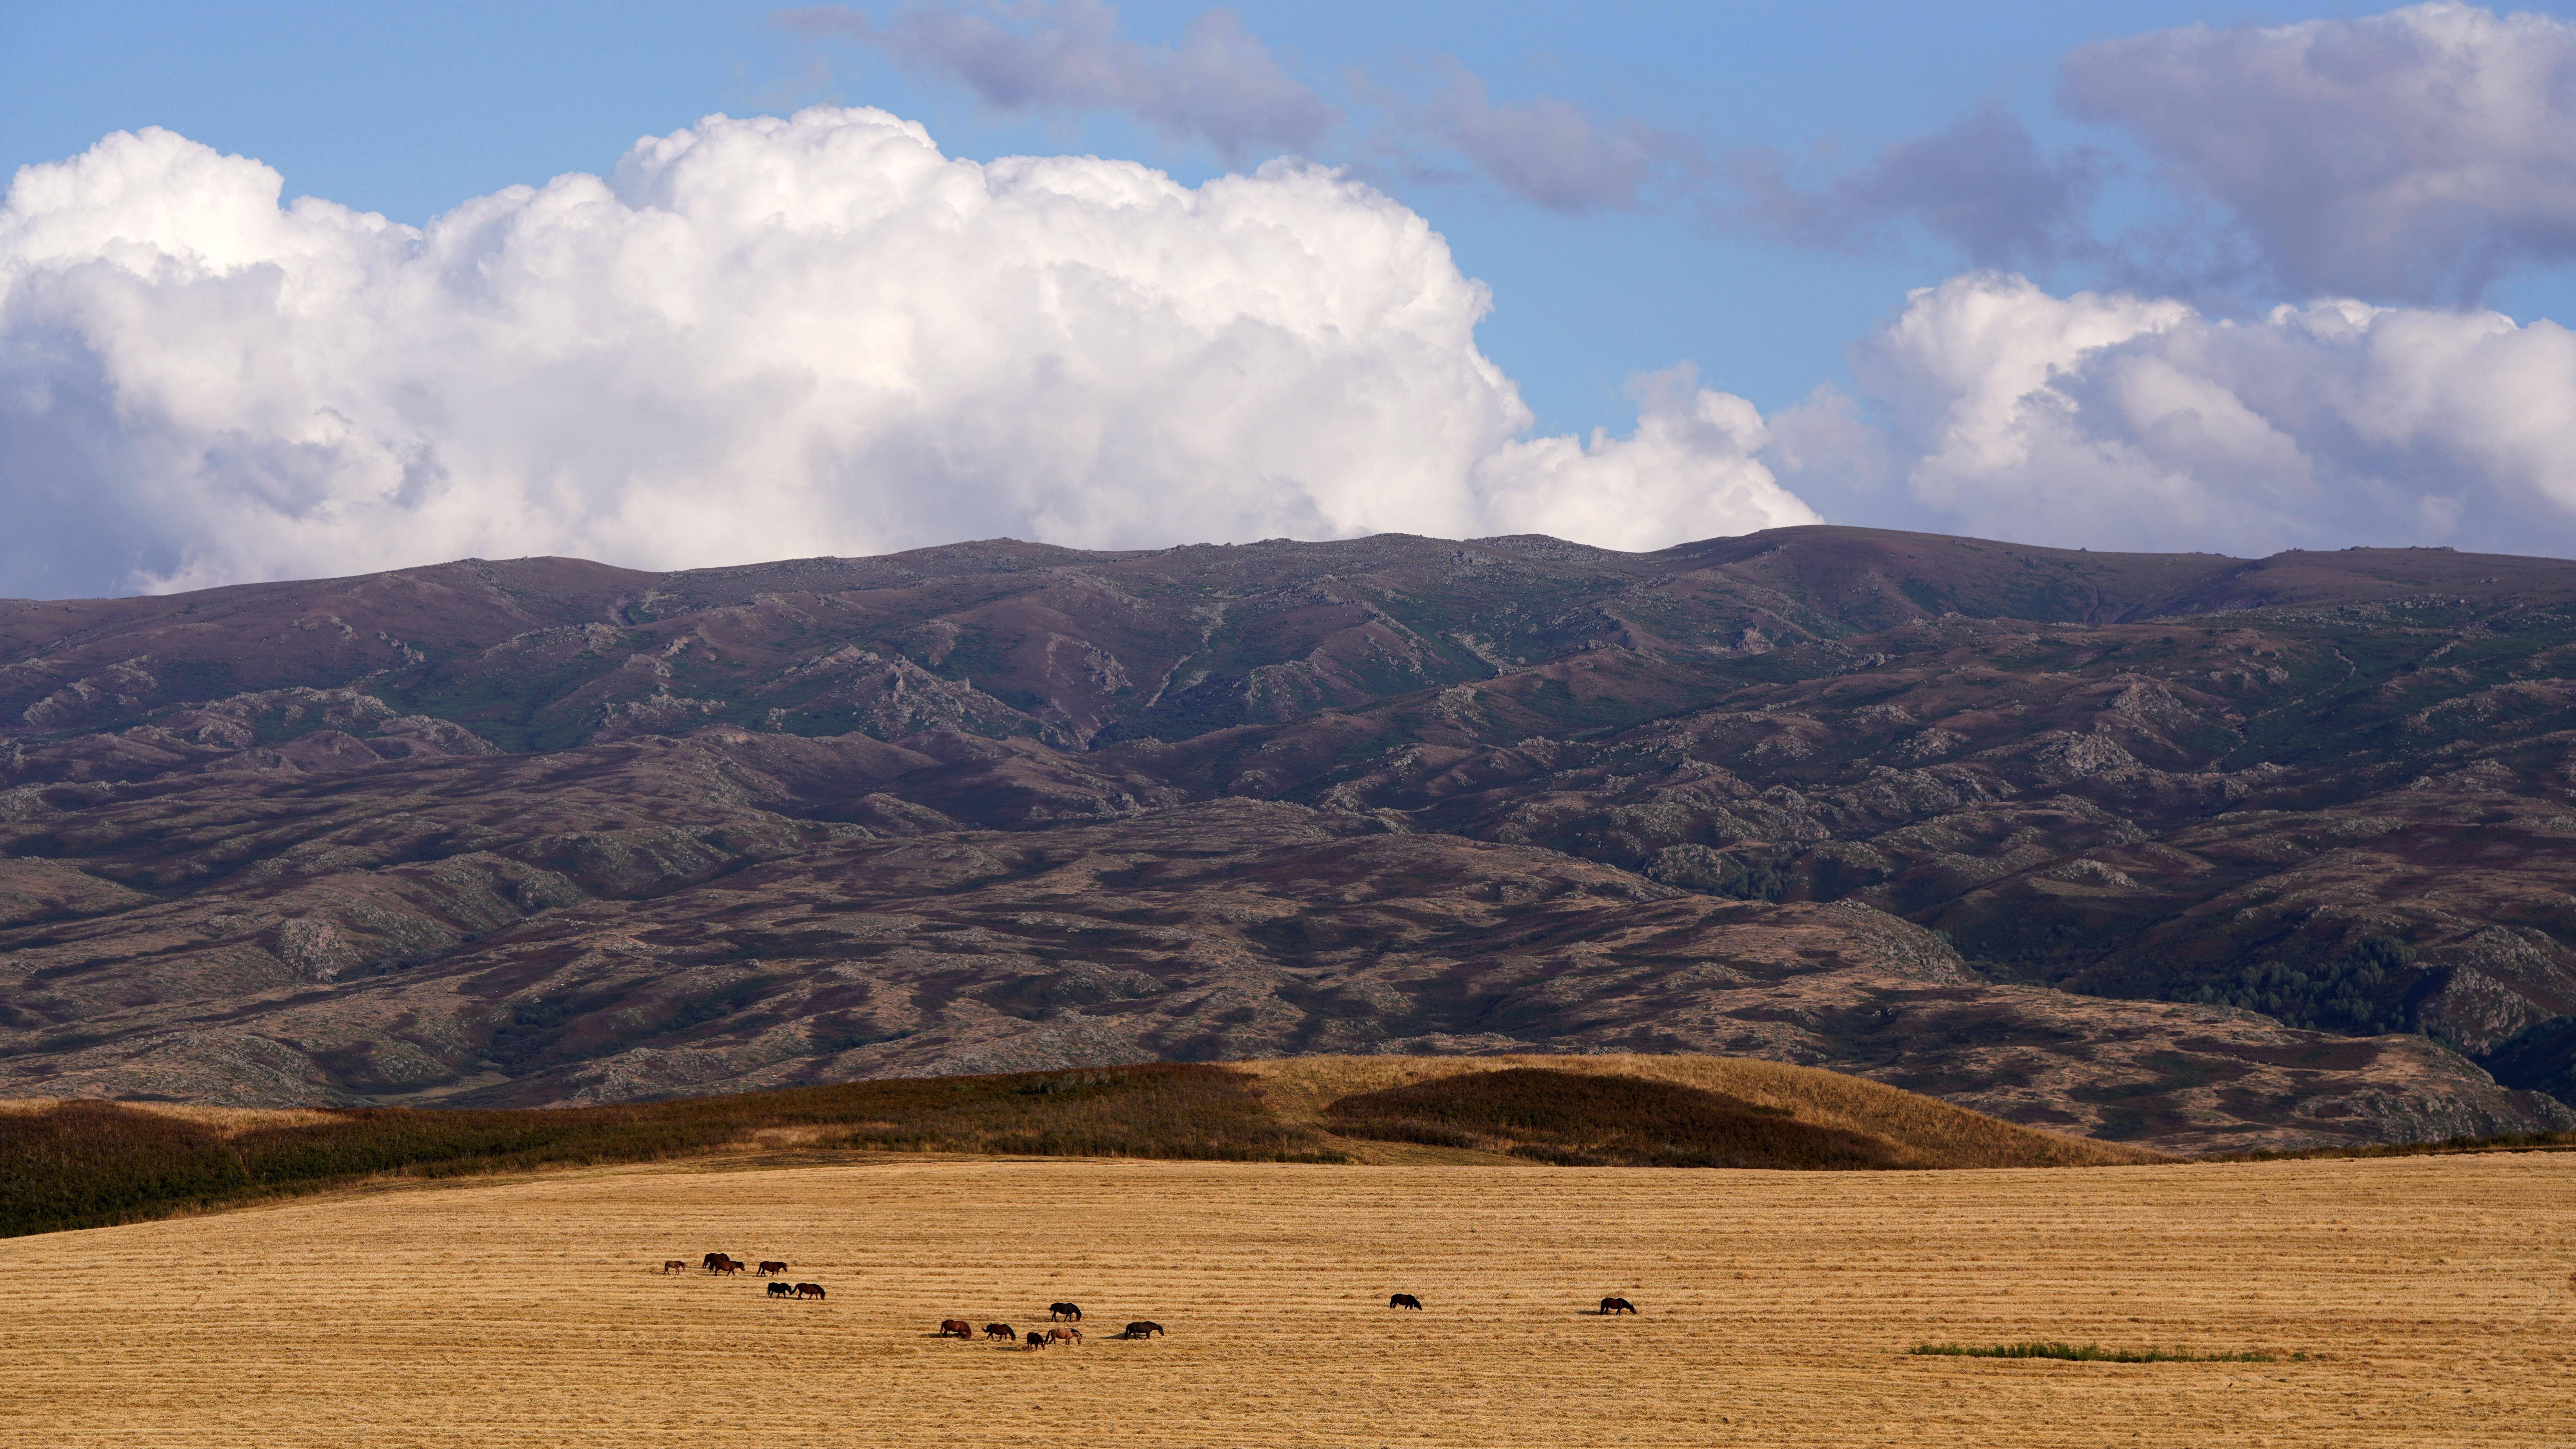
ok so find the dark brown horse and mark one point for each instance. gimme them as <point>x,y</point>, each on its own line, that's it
<point>1001,1331</point>
<point>1616,1305</point>
<point>723,1263</point>
<point>1064,1310</point>
<point>1141,1329</point>
<point>1403,1300</point>
<point>956,1328</point>
<point>807,1290</point>
<point>674,1265</point>
<point>1036,1339</point>
<point>772,1267</point>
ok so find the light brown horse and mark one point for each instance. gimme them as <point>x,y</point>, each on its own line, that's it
<point>1064,1335</point>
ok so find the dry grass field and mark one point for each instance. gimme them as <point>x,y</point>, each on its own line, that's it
<point>2433,1296</point>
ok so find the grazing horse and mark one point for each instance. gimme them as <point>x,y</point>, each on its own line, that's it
<point>780,1290</point>
<point>1001,1331</point>
<point>674,1265</point>
<point>1141,1329</point>
<point>1403,1300</point>
<point>1064,1335</point>
<point>772,1267</point>
<point>723,1263</point>
<point>1616,1305</point>
<point>1064,1310</point>
<point>957,1328</point>
<point>807,1290</point>
<point>1036,1339</point>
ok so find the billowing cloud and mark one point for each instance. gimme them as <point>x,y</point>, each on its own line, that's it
<point>1689,471</point>
<point>2122,422</point>
<point>2410,156</point>
<point>1221,85</point>
<point>763,338</point>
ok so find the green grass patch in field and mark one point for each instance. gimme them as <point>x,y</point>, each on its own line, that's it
<point>2091,1353</point>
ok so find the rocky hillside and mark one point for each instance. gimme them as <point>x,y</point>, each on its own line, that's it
<point>2184,850</point>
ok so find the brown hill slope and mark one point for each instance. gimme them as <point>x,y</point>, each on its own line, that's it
<point>83,1164</point>
<point>2181,849</point>
<point>1917,1130</point>
<point>1226,929</point>
<point>1009,638</point>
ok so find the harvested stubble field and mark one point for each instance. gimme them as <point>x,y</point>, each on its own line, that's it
<point>2433,1295</point>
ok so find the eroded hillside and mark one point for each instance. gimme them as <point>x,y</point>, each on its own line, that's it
<point>2179,849</point>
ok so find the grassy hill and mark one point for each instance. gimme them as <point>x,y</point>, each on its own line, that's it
<point>1905,1129</point>
<point>89,1163</point>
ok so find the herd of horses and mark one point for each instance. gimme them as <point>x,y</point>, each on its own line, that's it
<point>728,1264</point>
<point>1066,1316</point>
<point>959,1328</point>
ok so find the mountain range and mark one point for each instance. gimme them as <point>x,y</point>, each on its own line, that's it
<point>2190,851</point>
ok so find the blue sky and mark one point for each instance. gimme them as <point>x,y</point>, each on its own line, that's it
<point>409,110</point>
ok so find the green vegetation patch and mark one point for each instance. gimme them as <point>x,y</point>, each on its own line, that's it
<point>1582,1119</point>
<point>90,1164</point>
<point>2091,1353</point>
<point>2355,992</point>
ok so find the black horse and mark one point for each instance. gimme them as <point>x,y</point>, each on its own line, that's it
<point>781,1290</point>
<point>1064,1310</point>
<point>1141,1329</point>
<point>1403,1300</point>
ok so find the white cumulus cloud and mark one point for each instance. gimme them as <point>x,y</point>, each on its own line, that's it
<point>2122,422</point>
<point>1690,470</point>
<point>761,338</point>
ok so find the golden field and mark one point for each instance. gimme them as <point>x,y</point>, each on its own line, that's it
<point>2433,1295</point>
